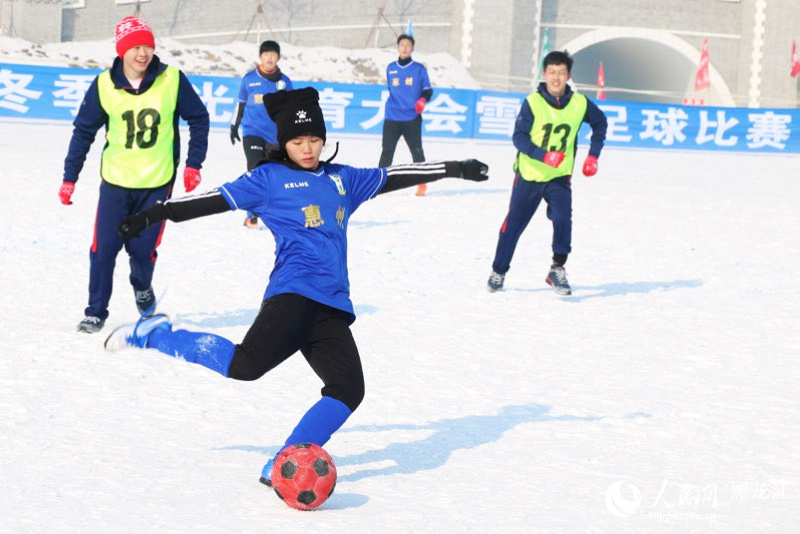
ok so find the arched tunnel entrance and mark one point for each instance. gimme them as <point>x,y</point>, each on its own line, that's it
<point>653,67</point>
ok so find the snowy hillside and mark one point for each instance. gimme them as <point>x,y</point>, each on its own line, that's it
<point>327,63</point>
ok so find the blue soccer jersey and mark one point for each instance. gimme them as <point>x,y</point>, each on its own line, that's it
<point>255,120</point>
<point>406,83</point>
<point>307,213</point>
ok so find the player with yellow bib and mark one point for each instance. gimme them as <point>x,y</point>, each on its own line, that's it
<point>139,101</point>
<point>545,136</point>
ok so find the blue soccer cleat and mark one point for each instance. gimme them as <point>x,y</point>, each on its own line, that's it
<point>135,335</point>
<point>266,473</point>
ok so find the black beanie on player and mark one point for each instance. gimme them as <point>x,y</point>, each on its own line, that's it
<point>295,113</point>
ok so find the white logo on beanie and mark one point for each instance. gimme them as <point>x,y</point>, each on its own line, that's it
<point>129,25</point>
<point>302,117</point>
<point>131,32</point>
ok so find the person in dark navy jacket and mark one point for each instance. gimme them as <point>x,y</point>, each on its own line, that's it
<point>306,204</point>
<point>139,101</point>
<point>546,139</point>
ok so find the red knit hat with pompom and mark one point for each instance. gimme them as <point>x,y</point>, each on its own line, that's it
<point>130,32</point>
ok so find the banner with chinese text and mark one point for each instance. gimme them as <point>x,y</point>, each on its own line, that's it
<point>55,93</point>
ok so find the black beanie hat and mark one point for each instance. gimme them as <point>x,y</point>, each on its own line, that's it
<point>269,46</point>
<point>295,113</point>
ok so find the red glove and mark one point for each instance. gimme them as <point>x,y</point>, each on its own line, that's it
<point>65,193</point>
<point>191,179</point>
<point>420,105</point>
<point>553,158</point>
<point>590,166</point>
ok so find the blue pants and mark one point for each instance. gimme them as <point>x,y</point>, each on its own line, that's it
<point>116,203</point>
<point>525,199</point>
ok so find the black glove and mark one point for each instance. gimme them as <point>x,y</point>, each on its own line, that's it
<point>472,169</point>
<point>235,134</point>
<point>132,226</point>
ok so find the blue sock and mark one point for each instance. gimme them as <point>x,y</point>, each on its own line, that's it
<point>316,426</point>
<point>208,350</point>
<point>319,422</point>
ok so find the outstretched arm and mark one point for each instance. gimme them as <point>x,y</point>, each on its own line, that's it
<point>176,210</point>
<point>411,174</point>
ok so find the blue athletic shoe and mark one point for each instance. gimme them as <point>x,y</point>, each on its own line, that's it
<point>266,474</point>
<point>135,335</point>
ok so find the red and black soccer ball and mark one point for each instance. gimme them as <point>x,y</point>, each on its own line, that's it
<point>303,476</point>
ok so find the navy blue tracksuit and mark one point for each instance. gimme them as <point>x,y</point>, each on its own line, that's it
<point>525,199</point>
<point>114,204</point>
<point>557,193</point>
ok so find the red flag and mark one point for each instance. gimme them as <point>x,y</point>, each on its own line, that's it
<point>601,83</point>
<point>795,61</point>
<point>692,101</point>
<point>702,80</point>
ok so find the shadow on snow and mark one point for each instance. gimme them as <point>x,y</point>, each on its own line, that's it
<point>448,435</point>
<point>615,289</point>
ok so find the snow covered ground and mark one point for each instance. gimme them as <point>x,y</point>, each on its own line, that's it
<point>662,397</point>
